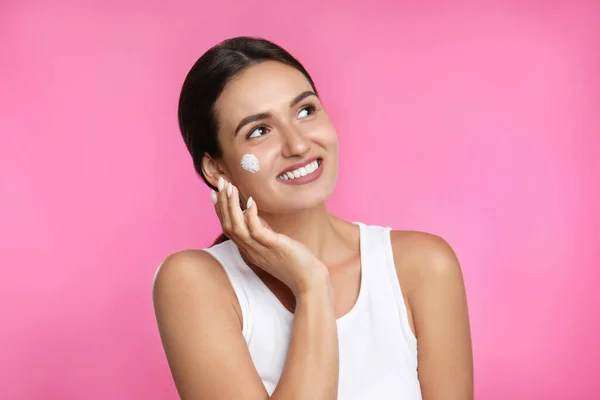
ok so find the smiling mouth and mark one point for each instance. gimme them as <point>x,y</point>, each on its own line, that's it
<point>305,170</point>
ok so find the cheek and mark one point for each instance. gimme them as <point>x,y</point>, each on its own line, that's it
<point>328,139</point>
<point>325,132</point>
<point>257,161</point>
<point>250,163</point>
<point>252,171</point>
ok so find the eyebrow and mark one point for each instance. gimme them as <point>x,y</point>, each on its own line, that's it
<point>260,116</point>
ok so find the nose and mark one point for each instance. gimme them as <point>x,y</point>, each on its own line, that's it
<point>294,143</point>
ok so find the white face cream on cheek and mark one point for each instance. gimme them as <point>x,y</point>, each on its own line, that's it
<point>250,163</point>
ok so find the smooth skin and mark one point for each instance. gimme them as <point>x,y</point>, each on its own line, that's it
<point>307,257</point>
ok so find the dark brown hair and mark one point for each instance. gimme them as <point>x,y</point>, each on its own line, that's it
<point>204,83</point>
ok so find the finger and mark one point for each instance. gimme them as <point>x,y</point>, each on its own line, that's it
<point>215,200</point>
<point>215,197</point>
<point>258,232</point>
<point>224,210</point>
<point>239,227</point>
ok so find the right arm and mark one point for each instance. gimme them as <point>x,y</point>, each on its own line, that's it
<point>201,333</point>
<point>312,365</point>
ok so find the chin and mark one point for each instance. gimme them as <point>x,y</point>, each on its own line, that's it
<point>301,201</point>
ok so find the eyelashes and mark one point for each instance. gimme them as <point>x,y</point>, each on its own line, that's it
<point>252,135</point>
<point>260,130</point>
<point>310,108</point>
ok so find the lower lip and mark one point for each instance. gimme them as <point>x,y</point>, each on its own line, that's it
<point>306,178</point>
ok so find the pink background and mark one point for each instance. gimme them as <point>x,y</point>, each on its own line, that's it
<point>480,123</point>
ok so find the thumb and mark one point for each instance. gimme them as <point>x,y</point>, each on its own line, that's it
<point>264,223</point>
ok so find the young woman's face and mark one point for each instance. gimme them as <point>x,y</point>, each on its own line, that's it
<point>270,118</point>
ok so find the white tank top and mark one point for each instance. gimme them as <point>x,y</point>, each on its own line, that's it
<point>377,349</point>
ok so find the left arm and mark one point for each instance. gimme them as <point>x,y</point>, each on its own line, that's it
<point>436,298</point>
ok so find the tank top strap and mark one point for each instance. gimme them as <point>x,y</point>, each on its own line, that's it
<point>227,254</point>
<point>383,277</point>
<point>373,247</point>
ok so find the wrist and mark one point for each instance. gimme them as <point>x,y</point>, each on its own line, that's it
<point>316,285</point>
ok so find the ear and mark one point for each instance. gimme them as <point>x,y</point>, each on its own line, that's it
<point>212,170</point>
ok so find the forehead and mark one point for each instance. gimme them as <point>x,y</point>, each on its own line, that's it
<point>265,87</point>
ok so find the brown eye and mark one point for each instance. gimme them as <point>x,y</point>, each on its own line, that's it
<point>257,132</point>
<point>306,111</point>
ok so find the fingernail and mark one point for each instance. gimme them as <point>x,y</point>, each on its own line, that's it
<point>229,189</point>
<point>250,202</point>
<point>221,184</point>
<point>213,196</point>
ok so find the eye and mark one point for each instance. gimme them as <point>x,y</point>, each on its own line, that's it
<point>306,111</point>
<point>257,132</point>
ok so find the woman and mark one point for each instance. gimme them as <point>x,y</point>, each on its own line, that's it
<point>293,302</point>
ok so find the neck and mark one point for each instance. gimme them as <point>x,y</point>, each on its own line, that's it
<point>315,228</point>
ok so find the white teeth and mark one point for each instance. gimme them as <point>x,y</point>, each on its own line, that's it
<point>302,171</point>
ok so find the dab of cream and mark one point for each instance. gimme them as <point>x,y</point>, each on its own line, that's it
<point>250,163</point>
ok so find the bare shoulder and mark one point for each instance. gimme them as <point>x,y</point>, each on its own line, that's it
<point>421,257</point>
<point>432,283</point>
<point>201,329</point>
<point>191,274</point>
<point>184,269</point>
<point>187,261</point>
